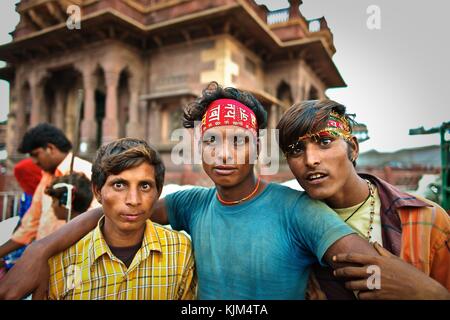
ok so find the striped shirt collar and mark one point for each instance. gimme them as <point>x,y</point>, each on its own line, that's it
<point>391,197</point>
<point>99,247</point>
<point>392,200</point>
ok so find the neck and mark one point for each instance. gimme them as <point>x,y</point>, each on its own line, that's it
<point>354,191</point>
<point>118,238</point>
<point>240,191</point>
<point>60,158</point>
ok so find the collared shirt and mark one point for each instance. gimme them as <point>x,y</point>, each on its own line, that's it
<point>358,217</point>
<point>415,229</point>
<point>162,269</point>
<point>40,220</point>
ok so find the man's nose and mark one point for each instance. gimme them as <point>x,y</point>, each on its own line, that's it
<point>226,152</point>
<point>133,197</point>
<point>312,155</point>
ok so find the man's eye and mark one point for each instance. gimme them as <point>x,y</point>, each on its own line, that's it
<point>210,140</point>
<point>296,150</point>
<point>146,186</point>
<point>239,141</point>
<point>119,185</point>
<point>325,141</point>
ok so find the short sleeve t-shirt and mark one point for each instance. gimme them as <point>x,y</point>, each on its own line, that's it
<point>260,249</point>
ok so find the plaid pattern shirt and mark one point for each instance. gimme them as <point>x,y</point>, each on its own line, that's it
<point>414,229</point>
<point>162,269</point>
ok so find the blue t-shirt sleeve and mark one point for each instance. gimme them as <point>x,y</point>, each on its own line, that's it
<point>182,206</point>
<point>318,227</point>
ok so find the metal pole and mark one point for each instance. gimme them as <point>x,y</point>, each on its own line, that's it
<point>5,205</point>
<point>445,190</point>
<point>16,205</point>
<point>445,151</point>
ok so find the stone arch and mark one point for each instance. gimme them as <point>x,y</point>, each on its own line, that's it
<point>313,94</point>
<point>284,93</point>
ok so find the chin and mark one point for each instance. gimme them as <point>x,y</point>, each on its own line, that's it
<point>131,227</point>
<point>317,195</point>
<point>228,183</point>
<point>223,181</point>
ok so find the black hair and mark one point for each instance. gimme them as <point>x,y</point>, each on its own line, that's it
<point>194,111</point>
<point>82,193</point>
<point>123,154</point>
<point>309,116</point>
<point>43,134</point>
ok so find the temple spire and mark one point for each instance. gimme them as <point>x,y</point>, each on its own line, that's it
<point>294,11</point>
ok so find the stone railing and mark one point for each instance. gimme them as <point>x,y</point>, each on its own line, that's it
<point>9,204</point>
<point>278,16</point>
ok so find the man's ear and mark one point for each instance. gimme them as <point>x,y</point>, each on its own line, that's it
<point>97,194</point>
<point>354,145</point>
<point>51,148</point>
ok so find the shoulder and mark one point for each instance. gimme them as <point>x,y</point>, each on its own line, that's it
<point>67,266</point>
<point>432,217</point>
<point>172,238</point>
<point>284,191</point>
<point>73,255</point>
<point>429,208</point>
<point>297,205</point>
<point>196,193</point>
<point>440,216</point>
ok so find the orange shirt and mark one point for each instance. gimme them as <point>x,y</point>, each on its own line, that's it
<point>415,229</point>
<point>40,220</point>
<point>426,240</point>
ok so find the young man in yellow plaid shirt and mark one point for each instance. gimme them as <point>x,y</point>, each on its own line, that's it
<point>126,256</point>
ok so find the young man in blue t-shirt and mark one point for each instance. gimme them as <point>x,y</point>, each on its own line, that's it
<point>252,239</point>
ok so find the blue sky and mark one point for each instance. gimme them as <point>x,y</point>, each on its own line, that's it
<point>397,76</point>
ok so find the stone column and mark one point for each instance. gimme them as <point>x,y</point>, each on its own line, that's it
<point>110,122</point>
<point>88,134</point>
<point>16,118</point>
<point>298,87</point>
<point>37,96</point>
<point>154,120</point>
<point>164,129</point>
<point>307,87</point>
<point>322,93</point>
<point>134,128</point>
<point>143,116</point>
<point>88,126</point>
<point>59,109</point>
<point>273,121</point>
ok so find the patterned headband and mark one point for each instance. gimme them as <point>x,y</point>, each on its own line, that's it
<point>223,112</point>
<point>337,126</point>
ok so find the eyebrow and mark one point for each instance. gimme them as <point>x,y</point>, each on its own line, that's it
<point>122,180</point>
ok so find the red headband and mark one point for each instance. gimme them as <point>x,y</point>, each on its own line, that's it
<point>225,112</point>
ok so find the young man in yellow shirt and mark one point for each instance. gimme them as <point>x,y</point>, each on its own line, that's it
<point>126,257</point>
